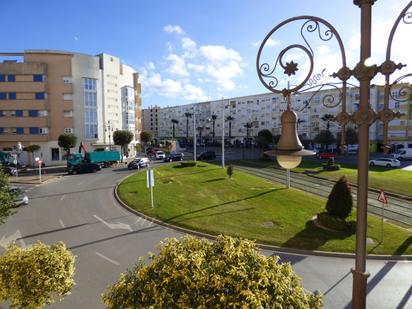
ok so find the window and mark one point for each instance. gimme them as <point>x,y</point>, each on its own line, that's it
<point>33,113</point>
<point>2,114</point>
<point>67,79</point>
<point>12,96</point>
<point>44,130</point>
<point>3,95</point>
<point>55,154</point>
<point>34,131</point>
<point>2,78</point>
<point>38,77</point>
<point>40,95</point>
<point>68,130</point>
<point>19,113</point>
<point>68,113</point>
<point>67,96</point>
<point>396,105</point>
<point>11,78</point>
<point>1,130</point>
<point>43,113</point>
<point>19,130</point>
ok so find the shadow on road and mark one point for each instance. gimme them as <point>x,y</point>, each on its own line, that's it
<point>70,192</point>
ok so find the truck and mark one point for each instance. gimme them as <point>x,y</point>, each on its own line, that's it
<point>105,157</point>
<point>403,154</point>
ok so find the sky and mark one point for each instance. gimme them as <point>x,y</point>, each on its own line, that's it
<point>189,51</point>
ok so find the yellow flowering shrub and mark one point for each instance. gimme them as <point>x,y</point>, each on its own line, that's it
<point>30,276</point>
<point>197,273</point>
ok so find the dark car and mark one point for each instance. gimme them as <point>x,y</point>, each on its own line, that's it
<point>84,168</point>
<point>138,163</point>
<point>174,156</point>
<point>207,155</point>
<point>9,170</point>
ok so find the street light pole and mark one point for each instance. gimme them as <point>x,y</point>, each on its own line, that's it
<point>223,133</point>
<point>194,134</point>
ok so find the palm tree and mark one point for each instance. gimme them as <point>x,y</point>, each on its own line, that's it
<point>214,117</point>
<point>174,123</point>
<point>230,119</point>
<point>187,115</point>
<point>328,118</point>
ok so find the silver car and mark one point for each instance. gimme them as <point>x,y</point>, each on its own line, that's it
<point>388,162</point>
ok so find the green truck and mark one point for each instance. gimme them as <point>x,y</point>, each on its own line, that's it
<point>106,158</point>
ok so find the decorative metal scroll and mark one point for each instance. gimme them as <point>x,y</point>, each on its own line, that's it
<point>269,75</point>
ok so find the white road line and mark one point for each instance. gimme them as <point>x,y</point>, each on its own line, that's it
<point>62,198</point>
<point>107,259</point>
<point>114,226</point>
<point>61,223</point>
<point>5,241</point>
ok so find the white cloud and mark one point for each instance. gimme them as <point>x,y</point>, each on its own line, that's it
<point>75,38</point>
<point>188,44</point>
<point>194,93</point>
<point>173,29</point>
<point>151,66</point>
<point>196,67</point>
<point>269,43</point>
<point>178,65</point>
<point>219,53</point>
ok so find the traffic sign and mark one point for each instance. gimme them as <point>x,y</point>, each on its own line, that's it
<point>382,197</point>
<point>39,162</point>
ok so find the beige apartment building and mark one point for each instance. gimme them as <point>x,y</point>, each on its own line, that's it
<point>45,93</point>
<point>150,120</point>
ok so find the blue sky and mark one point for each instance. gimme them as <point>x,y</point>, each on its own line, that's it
<point>189,51</point>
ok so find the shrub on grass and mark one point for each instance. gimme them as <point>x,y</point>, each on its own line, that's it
<point>337,224</point>
<point>187,164</point>
<point>340,200</point>
<point>197,273</point>
<point>229,170</point>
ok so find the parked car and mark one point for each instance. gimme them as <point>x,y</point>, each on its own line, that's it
<point>388,162</point>
<point>325,155</point>
<point>403,154</point>
<point>84,168</point>
<point>9,170</point>
<point>160,155</point>
<point>138,163</point>
<point>174,156</point>
<point>20,196</point>
<point>207,155</point>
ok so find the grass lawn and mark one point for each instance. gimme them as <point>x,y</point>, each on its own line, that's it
<point>391,180</point>
<point>204,198</point>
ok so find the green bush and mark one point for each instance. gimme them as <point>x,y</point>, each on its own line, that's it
<point>229,170</point>
<point>197,273</point>
<point>327,167</point>
<point>337,224</point>
<point>187,164</point>
<point>340,200</point>
<point>29,277</point>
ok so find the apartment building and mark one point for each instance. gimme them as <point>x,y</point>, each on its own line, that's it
<point>263,111</point>
<point>150,120</point>
<point>45,93</point>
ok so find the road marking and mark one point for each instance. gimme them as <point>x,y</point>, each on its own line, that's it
<point>62,198</point>
<point>61,223</point>
<point>107,259</point>
<point>115,226</point>
<point>5,241</point>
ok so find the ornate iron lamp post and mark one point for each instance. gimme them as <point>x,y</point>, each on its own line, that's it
<point>363,117</point>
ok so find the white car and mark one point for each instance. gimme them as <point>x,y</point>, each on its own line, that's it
<point>388,162</point>
<point>160,155</point>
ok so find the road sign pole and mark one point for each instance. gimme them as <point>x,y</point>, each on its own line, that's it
<point>150,184</point>
<point>383,209</point>
<point>40,172</point>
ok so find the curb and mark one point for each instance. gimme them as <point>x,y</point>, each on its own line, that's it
<point>261,246</point>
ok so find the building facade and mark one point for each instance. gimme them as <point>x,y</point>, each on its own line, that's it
<point>262,111</point>
<point>45,93</point>
<point>150,120</point>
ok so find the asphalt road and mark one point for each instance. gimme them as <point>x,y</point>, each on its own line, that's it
<point>82,211</point>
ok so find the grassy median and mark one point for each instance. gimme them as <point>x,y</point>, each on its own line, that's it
<point>205,199</point>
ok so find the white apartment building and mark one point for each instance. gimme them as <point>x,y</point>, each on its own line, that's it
<point>263,112</point>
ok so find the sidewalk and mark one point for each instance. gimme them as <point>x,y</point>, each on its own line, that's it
<point>33,179</point>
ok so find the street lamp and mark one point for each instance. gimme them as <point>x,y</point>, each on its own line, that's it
<point>363,117</point>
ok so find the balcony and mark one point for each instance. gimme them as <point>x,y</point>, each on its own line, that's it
<point>22,104</point>
<point>25,122</point>
<point>22,87</point>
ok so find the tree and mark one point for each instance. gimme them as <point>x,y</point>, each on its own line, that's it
<point>187,115</point>
<point>264,138</point>
<point>197,273</point>
<point>340,200</point>
<point>32,149</point>
<point>230,119</point>
<point>29,277</point>
<point>145,137</point>
<point>351,137</point>
<point>6,197</point>
<point>200,129</point>
<point>214,117</point>
<point>174,123</point>
<point>327,118</point>
<point>229,170</point>
<point>122,138</point>
<point>324,138</point>
<point>67,141</point>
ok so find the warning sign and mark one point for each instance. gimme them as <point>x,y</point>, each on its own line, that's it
<point>382,197</point>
